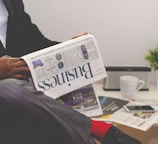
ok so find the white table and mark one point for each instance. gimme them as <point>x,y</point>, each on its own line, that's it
<point>146,137</point>
<point>148,95</point>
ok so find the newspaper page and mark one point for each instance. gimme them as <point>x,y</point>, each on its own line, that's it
<point>139,120</point>
<point>154,103</point>
<point>83,100</point>
<point>113,111</point>
<point>65,67</point>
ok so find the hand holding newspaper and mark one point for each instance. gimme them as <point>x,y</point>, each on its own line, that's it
<point>63,68</point>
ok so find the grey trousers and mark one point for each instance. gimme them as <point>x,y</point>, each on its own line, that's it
<point>29,117</point>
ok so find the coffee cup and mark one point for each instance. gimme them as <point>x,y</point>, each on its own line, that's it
<point>130,85</point>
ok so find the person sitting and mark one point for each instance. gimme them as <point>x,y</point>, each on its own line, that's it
<point>27,115</point>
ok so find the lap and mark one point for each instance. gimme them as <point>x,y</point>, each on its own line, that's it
<point>21,103</point>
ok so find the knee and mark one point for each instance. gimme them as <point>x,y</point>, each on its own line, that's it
<point>15,90</point>
<point>7,82</point>
<point>6,93</point>
<point>9,87</point>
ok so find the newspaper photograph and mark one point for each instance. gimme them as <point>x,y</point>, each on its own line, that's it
<point>83,100</point>
<point>65,67</point>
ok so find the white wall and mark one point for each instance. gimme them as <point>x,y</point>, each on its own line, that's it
<point>125,29</point>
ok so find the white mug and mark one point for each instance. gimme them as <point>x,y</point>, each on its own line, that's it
<point>130,85</point>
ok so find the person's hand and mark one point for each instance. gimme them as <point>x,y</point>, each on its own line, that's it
<point>11,67</point>
<point>85,33</point>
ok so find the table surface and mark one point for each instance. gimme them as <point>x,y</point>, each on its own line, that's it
<point>151,94</point>
<point>146,137</point>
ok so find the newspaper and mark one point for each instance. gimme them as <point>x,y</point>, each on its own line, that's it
<point>139,120</point>
<point>113,111</point>
<point>154,103</point>
<point>83,100</point>
<point>63,68</point>
<point>110,105</point>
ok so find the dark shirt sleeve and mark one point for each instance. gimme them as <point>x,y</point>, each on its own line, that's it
<point>34,35</point>
<point>23,35</point>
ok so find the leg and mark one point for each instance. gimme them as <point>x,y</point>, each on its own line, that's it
<point>31,117</point>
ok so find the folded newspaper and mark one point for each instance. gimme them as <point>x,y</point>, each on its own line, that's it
<point>113,111</point>
<point>83,100</point>
<point>110,105</point>
<point>63,68</point>
<point>139,120</point>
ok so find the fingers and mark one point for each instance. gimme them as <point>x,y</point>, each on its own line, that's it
<point>85,33</point>
<point>14,59</point>
<point>22,69</point>
<point>12,67</point>
<point>19,76</point>
<point>17,62</point>
<point>20,63</point>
